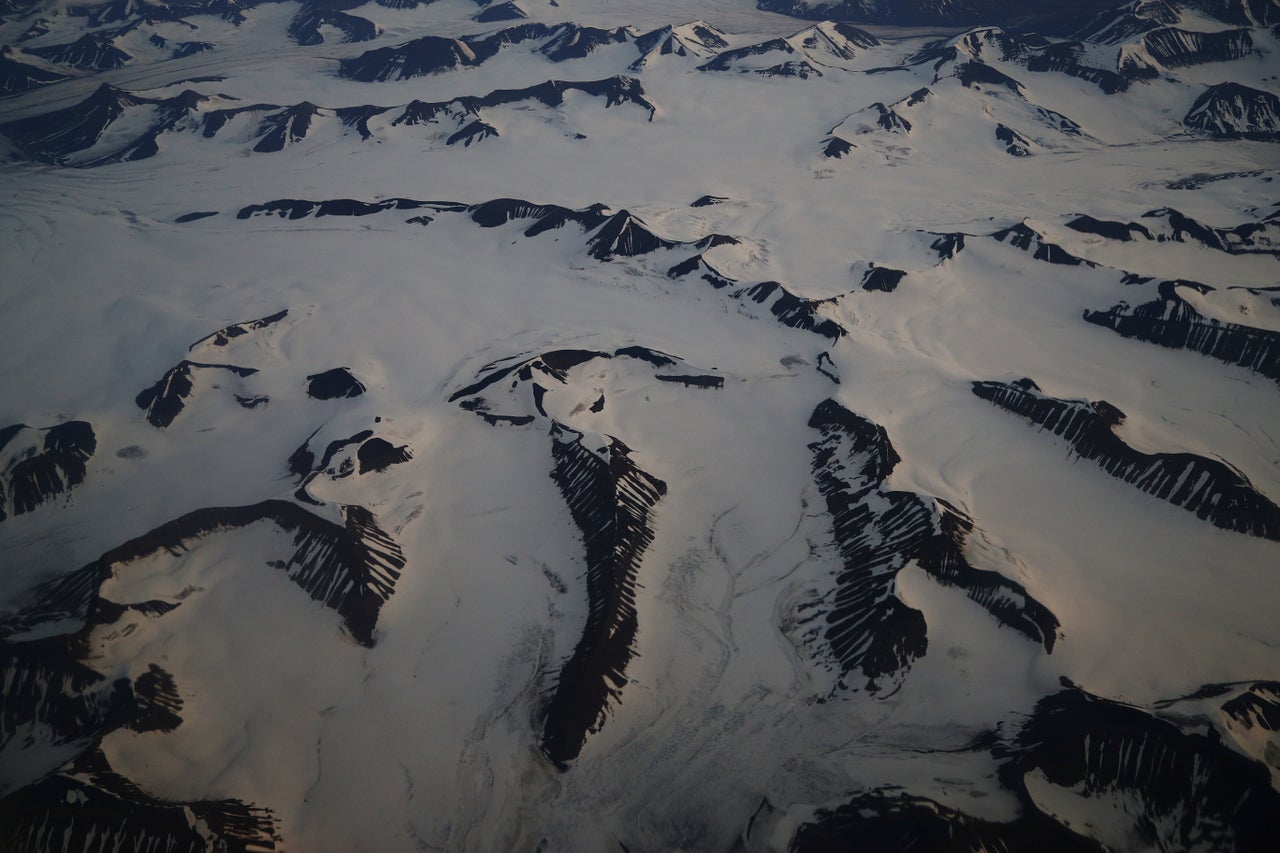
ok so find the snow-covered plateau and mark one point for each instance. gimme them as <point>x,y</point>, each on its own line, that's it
<point>663,425</point>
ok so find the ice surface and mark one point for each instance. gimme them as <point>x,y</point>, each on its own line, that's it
<point>471,501</point>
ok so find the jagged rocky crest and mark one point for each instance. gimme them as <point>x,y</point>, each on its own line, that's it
<point>38,469</point>
<point>1232,111</point>
<point>1167,224</point>
<point>166,399</point>
<point>895,820</point>
<point>861,622</point>
<point>610,500</point>
<point>226,335</point>
<point>1026,238</point>
<point>1165,786</point>
<point>351,567</point>
<point>87,806</point>
<point>71,136</point>
<point>1171,321</point>
<point>1174,790</point>
<point>1213,490</point>
<point>611,235</point>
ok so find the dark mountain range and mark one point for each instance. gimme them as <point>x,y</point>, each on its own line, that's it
<point>1214,490</point>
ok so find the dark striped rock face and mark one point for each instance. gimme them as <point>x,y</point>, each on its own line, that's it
<point>861,622</point>
<point>611,501</point>
<point>500,425</point>
<point>1172,322</point>
<point>39,466</point>
<point>1213,490</point>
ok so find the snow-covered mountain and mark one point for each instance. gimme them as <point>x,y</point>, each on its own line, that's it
<point>593,424</point>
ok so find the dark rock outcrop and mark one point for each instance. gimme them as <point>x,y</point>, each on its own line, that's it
<point>1180,791</point>
<point>225,336</point>
<point>692,381</point>
<point>66,700</point>
<point>509,11</point>
<point>1172,322</point>
<point>947,246</point>
<point>1123,231</point>
<point>792,310</point>
<point>1213,490</point>
<point>610,500</point>
<point>289,208</point>
<point>473,132</point>
<point>883,279</point>
<point>1233,111</point>
<point>834,147</point>
<point>786,307</point>
<point>314,14</point>
<point>625,235</point>
<point>90,52</point>
<point>166,399</point>
<point>1177,48</point>
<point>570,41</point>
<point>725,61</point>
<point>977,74</point>
<point>53,136</point>
<point>696,38</point>
<point>1250,237</point>
<point>435,54</point>
<point>889,820</point>
<point>861,622</point>
<point>351,568</point>
<point>58,136</point>
<point>87,806</point>
<point>426,55</point>
<point>1027,239</point>
<point>546,217</point>
<point>285,128</point>
<point>378,454</point>
<point>1015,143</point>
<point>37,470</point>
<point>927,12</point>
<point>1256,708</point>
<point>18,76</point>
<point>338,382</point>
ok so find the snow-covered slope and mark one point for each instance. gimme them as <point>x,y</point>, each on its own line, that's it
<point>639,425</point>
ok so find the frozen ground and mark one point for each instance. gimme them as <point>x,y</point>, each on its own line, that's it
<point>392,685</point>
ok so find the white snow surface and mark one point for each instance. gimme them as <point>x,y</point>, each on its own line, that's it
<point>429,739</point>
